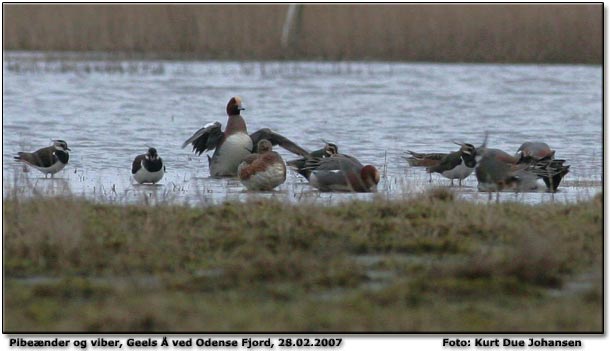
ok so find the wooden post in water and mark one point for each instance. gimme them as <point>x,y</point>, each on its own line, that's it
<point>292,24</point>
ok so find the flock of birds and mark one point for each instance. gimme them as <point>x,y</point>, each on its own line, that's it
<point>251,158</point>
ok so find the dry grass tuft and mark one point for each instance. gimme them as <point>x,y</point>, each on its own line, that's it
<point>266,265</point>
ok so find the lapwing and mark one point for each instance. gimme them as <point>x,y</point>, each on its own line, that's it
<point>263,170</point>
<point>148,168</point>
<point>299,165</point>
<point>342,173</point>
<point>456,165</point>
<point>233,145</point>
<point>48,160</point>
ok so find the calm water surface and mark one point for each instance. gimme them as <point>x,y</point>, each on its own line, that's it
<point>109,111</point>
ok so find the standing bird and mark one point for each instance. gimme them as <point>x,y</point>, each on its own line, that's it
<point>148,168</point>
<point>417,159</point>
<point>450,165</point>
<point>48,160</point>
<point>497,171</point>
<point>342,173</point>
<point>234,144</point>
<point>263,170</point>
<point>299,165</point>
<point>456,165</point>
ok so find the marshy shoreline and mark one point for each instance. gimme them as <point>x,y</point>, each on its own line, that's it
<point>432,263</point>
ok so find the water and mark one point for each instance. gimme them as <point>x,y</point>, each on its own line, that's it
<point>109,111</point>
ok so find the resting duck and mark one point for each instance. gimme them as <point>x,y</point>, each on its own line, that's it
<point>299,165</point>
<point>342,173</point>
<point>148,168</point>
<point>542,158</point>
<point>48,160</point>
<point>263,170</point>
<point>234,144</point>
<point>534,151</point>
<point>496,170</point>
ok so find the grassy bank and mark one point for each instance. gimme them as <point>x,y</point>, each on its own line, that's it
<point>427,264</point>
<point>441,33</point>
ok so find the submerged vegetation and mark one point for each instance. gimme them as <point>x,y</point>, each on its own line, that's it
<point>433,263</point>
<point>542,33</point>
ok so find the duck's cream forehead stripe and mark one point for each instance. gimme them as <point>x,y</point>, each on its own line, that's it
<point>237,100</point>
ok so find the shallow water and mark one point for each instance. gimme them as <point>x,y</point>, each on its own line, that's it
<point>109,111</point>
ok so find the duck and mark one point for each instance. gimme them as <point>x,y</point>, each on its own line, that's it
<point>497,171</point>
<point>234,144</point>
<point>48,160</point>
<point>456,165</point>
<point>342,173</point>
<point>299,165</point>
<point>148,167</point>
<point>263,170</point>
<point>542,158</point>
<point>534,151</point>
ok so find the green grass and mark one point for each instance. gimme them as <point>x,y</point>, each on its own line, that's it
<point>429,264</point>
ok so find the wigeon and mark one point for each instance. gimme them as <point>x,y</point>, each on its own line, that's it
<point>233,145</point>
<point>263,170</point>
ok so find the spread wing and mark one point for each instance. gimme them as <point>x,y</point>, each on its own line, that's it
<point>137,164</point>
<point>276,139</point>
<point>206,138</point>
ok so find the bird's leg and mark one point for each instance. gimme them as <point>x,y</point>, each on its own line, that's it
<point>460,182</point>
<point>451,182</point>
<point>430,181</point>
<point>498,197</point>
<point>489,196</point>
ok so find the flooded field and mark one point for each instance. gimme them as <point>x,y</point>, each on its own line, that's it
<point>433,262</point>
<point>109,111</point>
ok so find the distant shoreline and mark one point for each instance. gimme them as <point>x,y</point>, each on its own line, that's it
<point>38,56</point>
<point>393,33</point>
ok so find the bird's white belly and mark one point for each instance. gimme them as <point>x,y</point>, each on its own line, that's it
<point>459,172</point>
<point>267,179</point>
<point>144,176</point>
<point>56,167</point>
<point>230,154</point>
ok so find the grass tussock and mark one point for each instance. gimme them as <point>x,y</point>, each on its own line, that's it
<point>566,33</point>
<point>428,264</point>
